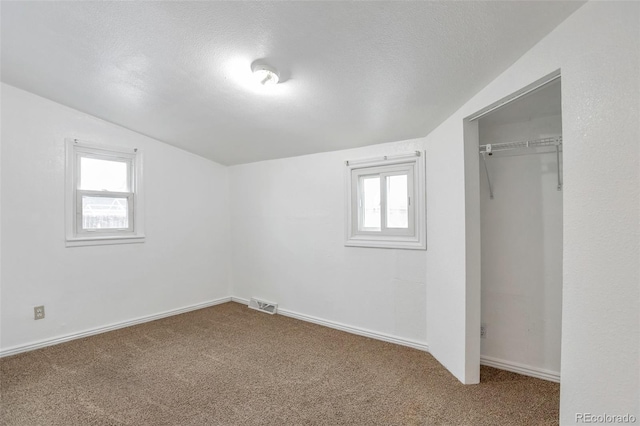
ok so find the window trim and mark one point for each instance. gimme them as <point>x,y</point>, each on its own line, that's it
<point>415,237</point>
<point>75,150</point>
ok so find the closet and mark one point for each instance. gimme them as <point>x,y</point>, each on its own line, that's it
<point>520,156</point>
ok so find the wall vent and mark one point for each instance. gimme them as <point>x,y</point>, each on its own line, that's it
<point>263,306</point>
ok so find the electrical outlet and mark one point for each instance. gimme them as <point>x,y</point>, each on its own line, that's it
<point>483,331</point>
<point>38,312</point>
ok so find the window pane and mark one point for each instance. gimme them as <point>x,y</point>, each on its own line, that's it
<point>103,175</point>
<point>397,202</point>
<point>105,213</point>
<point>371,202</point>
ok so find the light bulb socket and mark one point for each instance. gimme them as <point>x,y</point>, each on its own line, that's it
<point>265,74</point>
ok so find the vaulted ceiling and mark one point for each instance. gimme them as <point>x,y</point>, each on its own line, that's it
<point>355,73</point>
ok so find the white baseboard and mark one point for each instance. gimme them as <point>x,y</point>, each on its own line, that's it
<point>348,328</point>
<point>514,367</point>
<point>86,333</point>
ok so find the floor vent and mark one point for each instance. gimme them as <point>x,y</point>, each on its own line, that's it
<point>263,306</point>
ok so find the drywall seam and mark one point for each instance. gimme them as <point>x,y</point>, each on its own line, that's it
<point>347,328</point>
<point>99,330</point>
<point>523,369</point>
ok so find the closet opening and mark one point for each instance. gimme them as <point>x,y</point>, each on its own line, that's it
<point>519,154</point>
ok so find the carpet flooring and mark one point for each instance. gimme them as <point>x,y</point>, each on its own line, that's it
<point>229,365</point>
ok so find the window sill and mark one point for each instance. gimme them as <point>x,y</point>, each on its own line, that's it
<point>408,243</point>
<point>101,241</point>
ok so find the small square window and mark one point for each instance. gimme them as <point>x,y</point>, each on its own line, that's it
<point>103,195</point>
<point>386,203</point>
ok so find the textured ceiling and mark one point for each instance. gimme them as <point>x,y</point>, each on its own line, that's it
<point>356,73</point>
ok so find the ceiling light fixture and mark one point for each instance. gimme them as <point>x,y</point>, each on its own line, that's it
<point>265,75</point>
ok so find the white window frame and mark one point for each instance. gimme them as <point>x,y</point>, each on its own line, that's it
<point>75,235</point>
<point>413,237</point>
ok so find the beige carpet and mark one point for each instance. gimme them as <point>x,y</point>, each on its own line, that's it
<point>229,365</point>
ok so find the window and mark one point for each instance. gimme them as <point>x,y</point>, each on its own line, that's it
<point>103,195</point>
<point>386,202</point>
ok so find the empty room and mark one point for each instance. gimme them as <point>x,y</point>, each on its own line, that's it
<point>319,213</point>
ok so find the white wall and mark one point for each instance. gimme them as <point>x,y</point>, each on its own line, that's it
<point>184,260</point>
<point>288,247</point>
<point>598,51</point>
<point>521,232</point>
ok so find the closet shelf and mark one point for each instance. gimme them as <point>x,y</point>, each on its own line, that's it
<point>489,149</point>
<point>495,147</point>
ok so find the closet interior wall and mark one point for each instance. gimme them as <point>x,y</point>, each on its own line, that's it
<point>521,234</point>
